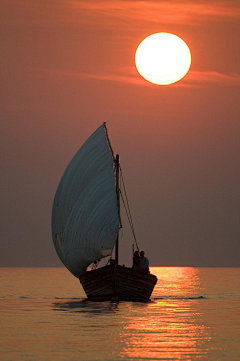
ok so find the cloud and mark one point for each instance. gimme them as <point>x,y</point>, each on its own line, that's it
<point>192,12</point>
<point>117,13</point>
<point>121,75</point>
<point>196,78</point>
<point>129,75</point>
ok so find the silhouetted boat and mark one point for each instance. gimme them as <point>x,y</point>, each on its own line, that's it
<point>86,223</point>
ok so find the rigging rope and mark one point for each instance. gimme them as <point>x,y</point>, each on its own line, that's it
<point>127,209</point>
<point>129,219</point>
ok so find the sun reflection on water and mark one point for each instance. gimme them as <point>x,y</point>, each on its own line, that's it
<point>171,328</point>
<point>177,282</point>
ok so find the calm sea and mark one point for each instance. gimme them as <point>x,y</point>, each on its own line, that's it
<point>194,315</point>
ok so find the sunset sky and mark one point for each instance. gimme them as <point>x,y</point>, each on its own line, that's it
<point>67,67</point>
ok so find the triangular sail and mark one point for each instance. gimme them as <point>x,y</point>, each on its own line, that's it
<point>85,219</point>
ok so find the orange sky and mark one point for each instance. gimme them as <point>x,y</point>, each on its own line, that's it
<point>67,66</point>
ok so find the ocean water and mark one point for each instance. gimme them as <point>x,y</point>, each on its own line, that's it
<point>194,315</point>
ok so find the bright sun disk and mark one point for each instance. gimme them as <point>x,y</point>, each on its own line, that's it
<point>163,58</point>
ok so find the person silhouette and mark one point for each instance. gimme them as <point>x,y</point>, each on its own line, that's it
<point>144,263</point>
<point>136,260</point>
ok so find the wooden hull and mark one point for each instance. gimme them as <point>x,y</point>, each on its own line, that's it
<point>118,283</point>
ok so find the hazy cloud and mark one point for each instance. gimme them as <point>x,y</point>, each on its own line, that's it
<point>195,77</point>
<point>115,13</point>
<point>129,75</point>
<point>158,11</point>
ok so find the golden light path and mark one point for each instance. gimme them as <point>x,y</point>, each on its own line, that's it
<point>163,58</point>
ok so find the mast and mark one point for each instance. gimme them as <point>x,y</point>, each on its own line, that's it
<point>118,202</point>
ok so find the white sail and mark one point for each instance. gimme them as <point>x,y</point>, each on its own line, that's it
<point>85,217</point>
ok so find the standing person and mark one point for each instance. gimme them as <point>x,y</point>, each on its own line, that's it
<point>136,260</point>
<point>144,264</point>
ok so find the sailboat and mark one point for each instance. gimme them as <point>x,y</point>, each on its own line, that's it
<point>86,223</point>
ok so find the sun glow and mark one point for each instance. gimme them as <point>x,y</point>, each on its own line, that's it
<point>163,58</point>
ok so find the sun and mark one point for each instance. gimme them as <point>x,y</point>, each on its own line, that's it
<point>163,58</point>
